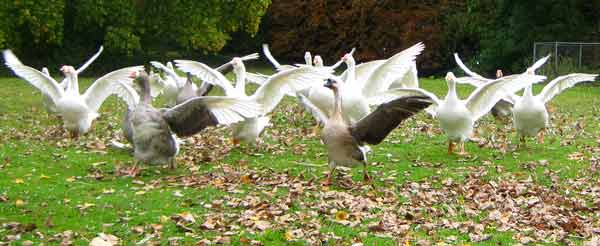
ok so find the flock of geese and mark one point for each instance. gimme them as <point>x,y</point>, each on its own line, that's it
<point>360,107</point>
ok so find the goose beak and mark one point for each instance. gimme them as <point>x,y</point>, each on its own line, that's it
<point>133,74</point>
<point>329,84</point>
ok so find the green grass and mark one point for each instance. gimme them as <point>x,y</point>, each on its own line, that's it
<point>60,184</point>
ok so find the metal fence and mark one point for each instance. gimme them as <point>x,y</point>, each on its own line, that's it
<point>568,57</point>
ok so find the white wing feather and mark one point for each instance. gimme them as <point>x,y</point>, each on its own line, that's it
<point>467,70</point>
<point>89,61</point>
<point>174,76</point>
<point>256,78</point>
<point>270,57</point>
<point>43,82</point>
<point>481,101</point>
<point>206,73</point>
<point>127,94</point>
<point>383,76</point>
<point>107,85</point>
<point>558,85</point>
<point>315,111</point>
<point>392,94</point>
<point>410,79</point>
<point>285,82</point>
<point>227,110</point>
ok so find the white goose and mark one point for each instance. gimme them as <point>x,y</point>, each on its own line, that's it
<point>504,107</point>
<point>457,116</point>
<point>268,94</point>
<point>46,99</point>
<point>530,115</point>
<point>174,84</point>
<point>77,110</point>
<point>356,93</point>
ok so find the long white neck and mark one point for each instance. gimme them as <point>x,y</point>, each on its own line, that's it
<point>308,59</point>
<point>240,79</point>
<point>73,86</point>
<point>337,105</point>
<point>451,91</point>
<point>528,93</point>
<point>351,71</point>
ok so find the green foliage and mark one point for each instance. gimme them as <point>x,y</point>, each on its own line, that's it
<point>31,23</point>
<point>126,27</point>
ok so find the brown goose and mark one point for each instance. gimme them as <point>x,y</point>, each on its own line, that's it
<point>345,143</point>
<point>151,129</point>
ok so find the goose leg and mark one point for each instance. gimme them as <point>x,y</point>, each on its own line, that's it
<point>541,136</point>
<point>462,148</point>
<point>366,176</point>
<point>315,129</point>
<point>329,179</point>
<point>133,171</point>
<point>172,163</point>
<point>450,147</point>
<point>522,142</point>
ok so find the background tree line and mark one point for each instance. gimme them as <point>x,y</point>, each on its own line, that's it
<point>495,33</point>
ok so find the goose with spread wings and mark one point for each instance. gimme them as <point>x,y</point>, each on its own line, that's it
<point>268,94</point>
<point>176,89</point>
<point>356,93</point>
<point>77,110</point>
<point>346,141</point>
<point>457,116</point>
<point>46,99</point>
<point>530,116</point>
<point>504,107</point>
<point>152,129</point>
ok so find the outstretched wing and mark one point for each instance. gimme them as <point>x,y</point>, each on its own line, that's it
<point>89,61</point>
<point>270,57</point>
<point>288,81</point>
<point>467,70</point>
<point>481,101</point>
<point>206,74</point>
<point>170,72</point>
<point>43,82</point>
<point>198,113</point>
<point>107,85</point>
<point>314,110</point>
<point>127,94</point>
<point>383,76</point>
<point>373,128</point>
<point>562,83</point>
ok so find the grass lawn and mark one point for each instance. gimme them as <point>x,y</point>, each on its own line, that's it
<point>54,189</point>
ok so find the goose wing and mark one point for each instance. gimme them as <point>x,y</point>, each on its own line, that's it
<point>107,85</point>
<point>198,113</point>
<point>481,101</point>
<point>383,76</point>
<point>287,81</point>
<point>173,82</point>
<point>410,79</point>
<point>374,127</point>
<point>558,85</point>
<point>43,82</point>
<point>314,110</point>
<point>90,61</point>
<point>206,74</point>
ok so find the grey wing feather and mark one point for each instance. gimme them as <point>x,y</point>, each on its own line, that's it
<point>373,128</point>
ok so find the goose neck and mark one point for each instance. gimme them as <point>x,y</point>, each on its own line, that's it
<point>337,104</point>
<point>240,79</point>
<point>73,85</point>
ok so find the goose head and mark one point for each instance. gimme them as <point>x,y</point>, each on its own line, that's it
<point>318,61</point>
<point>332,83</point>
<point>68,70</point>
<point>238,64</point>
<point>140,78</point>
<point>499,74</point>
<point>308,58</point>
<point>348,59</point>
<point>451,80</point>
